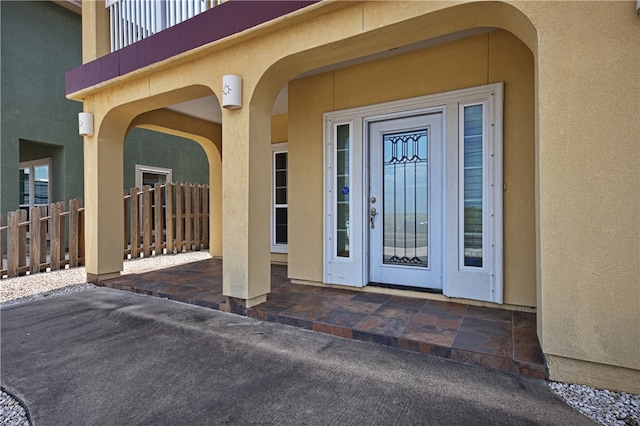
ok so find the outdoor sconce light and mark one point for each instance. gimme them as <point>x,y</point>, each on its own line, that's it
<point>85,124</point>
<point>231,91</point>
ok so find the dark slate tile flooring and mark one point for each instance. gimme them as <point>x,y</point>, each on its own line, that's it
<point>489,337</point>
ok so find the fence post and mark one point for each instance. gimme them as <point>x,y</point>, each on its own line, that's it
<point>23,238</point>
<point>146,220</point>
<point>34,244</point>
<point>197,213</point>
<point>135,223</point>
<point>126,222</point>
<point>205,216</point>
<point>54,236</point>
<point>188,217</point>
<point>168,189</point>
<point>157,201</point>
<point>63,246</point>
<point>179,217</point>
<point>13,244</point>
<point>44,224</point>
<point>74,229</point>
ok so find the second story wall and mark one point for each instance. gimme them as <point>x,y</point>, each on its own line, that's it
<point>40,41</point>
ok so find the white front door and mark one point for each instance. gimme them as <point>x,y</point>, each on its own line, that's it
<point>405,202</point>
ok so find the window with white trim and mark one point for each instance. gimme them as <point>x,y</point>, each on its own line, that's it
<point>150,175</point>
<point>35,183</point>
<point>279,198</point>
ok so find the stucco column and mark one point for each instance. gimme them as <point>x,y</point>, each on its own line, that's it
<point>104,213</point>
<point>215,205</point>
<point>95,30</point>
<point>245,206</point>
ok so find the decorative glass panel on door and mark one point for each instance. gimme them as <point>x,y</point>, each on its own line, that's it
<point>406,195</point>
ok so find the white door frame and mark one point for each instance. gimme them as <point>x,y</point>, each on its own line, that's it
<point>480,283</point>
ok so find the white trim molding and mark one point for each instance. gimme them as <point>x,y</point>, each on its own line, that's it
<point>152,169</point>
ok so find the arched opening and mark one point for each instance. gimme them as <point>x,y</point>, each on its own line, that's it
<point>481,49</point>
<point>105,173</point>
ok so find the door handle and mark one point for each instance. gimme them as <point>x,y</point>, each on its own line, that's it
<point>372,213</point>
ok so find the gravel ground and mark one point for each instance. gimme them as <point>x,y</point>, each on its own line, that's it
<point>603,406</point>
<point>37,286</point>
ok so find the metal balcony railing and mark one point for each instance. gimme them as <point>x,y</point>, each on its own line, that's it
<point>134,20</point>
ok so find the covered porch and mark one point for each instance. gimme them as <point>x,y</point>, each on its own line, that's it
<point>489,337</point>
<point>360,65</point>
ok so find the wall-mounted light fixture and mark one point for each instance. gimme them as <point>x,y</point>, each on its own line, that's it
<point>231,91</point>
<point>85,124</point>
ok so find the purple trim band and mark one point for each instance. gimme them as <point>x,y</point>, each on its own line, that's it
<point>217,23</point>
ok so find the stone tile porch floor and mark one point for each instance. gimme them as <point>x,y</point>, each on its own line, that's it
<point>489,337</point>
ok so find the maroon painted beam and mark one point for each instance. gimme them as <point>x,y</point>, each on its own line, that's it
<point>215,24</point>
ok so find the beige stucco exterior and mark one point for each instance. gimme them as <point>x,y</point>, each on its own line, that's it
<point>488,58</point>
<point>571,165</point>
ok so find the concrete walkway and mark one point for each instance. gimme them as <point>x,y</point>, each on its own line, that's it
<point>110,357</point>
<point>484,336</point>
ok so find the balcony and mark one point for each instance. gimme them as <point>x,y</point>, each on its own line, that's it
<point>173,37</point>
<point>133,20</point>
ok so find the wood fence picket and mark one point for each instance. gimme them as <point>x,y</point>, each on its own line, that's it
<point>164,218</point>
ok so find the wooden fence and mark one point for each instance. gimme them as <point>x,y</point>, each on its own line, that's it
<point>166,219</point>
<point>160,219</point>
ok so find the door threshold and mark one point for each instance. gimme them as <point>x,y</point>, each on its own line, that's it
<point>406,287</point>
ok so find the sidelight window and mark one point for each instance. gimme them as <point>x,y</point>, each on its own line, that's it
<point>343,187</point>
<point>472,184</point>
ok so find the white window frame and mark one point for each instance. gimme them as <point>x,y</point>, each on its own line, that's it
<point>485,192</point>
<point>278,148</point>
<point>486,282</point>
<point>479,283</point>
<point>334,208</point>
<point>140,169</point>
<point>31,165</point>
<point>340,270</point>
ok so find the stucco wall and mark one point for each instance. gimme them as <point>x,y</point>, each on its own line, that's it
<point>40,42</point>
<point>487,58</point>
<point>34,109</point>
<point>184,157</point>
<point>589,201</point>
